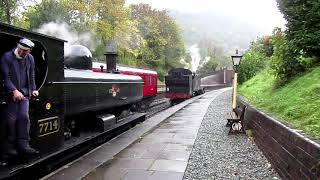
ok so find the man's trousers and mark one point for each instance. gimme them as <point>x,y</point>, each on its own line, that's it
<point>18,123</point>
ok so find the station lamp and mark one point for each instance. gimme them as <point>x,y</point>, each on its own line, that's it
<point>235,123</point>
<point>236,59</point>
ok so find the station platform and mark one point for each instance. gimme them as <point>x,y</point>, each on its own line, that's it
<point>187,141</point>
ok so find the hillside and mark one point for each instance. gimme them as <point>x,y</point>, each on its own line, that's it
<point>296,104</point>
<point>230,33</point>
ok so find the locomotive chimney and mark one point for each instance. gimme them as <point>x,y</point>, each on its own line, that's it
<point>111,56</point>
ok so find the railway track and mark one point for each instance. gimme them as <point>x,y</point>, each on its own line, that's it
<point>156,106</point>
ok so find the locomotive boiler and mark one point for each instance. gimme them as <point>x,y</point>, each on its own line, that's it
<point>88,91</point>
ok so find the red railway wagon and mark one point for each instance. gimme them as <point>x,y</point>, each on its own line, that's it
<point>149,77</point>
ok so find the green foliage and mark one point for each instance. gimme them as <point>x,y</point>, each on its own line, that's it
<point>252,63</point>
<point>254,60</point>
<point>163,47</point>
<point>128,59</point>
<point>208,67</point>
<point>187,61</point>
<point>109,20</point>
<point>7,11</point>
<point>263,45</point>
<point>47,11</point>
<point>209,48</point>
<point>283,88</point>
<point>303,23</point>
<point>161,73</point>
<point>299,49</point>
<point>144,37</point>
<point>284,61</point>
<point>297,103</point>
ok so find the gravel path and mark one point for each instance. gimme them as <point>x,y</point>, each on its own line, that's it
<point>217,155</point>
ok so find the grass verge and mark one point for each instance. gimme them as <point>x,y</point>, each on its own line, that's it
<point>296,104</point>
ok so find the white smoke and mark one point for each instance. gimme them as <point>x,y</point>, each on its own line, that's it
<point>195,56</point>
<point>63,31</point>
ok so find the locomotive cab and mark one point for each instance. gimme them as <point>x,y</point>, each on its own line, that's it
<point>47,109</point>
<point>9,42</point>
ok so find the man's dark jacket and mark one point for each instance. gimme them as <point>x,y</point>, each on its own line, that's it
<point>10,70</point>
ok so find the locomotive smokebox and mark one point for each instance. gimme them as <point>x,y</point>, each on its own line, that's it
<point>78,57</point>
<point>111,58</point>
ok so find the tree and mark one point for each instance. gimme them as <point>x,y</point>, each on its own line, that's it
<point>285,62</point>
<point>7,10</point>
<point>109,20</point>
<point>208,67</point>
<point>303,25</point>
<point>163,46</point>
<point>47,11</point>
<point>187,60</point>
<point>209,48</point>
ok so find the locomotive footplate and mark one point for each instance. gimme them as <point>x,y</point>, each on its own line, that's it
<point>36,168</point>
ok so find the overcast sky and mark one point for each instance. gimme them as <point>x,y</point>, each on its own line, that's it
<point>262,14</point>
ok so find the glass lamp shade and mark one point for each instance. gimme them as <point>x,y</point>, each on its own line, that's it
<point>236,60</point>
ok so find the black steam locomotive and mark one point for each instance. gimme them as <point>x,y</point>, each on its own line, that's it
<point>75,103</point>
<point>182,84</point>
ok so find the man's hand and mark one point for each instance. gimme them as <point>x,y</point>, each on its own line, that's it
<point>35,93</point>
<point>17,96</point>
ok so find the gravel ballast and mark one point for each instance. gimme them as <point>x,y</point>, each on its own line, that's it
<point>217,155</point>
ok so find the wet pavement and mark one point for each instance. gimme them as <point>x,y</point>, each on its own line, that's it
<point>163,153</point>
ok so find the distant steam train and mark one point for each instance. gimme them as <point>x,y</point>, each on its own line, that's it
<point>74,99</point>
<point>182,84</point>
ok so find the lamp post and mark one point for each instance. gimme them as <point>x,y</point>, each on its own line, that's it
<point>236,59</point>
<point>236,121</point>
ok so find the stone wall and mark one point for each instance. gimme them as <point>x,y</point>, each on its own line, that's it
<point>218,78</point>
<point>292,155</point>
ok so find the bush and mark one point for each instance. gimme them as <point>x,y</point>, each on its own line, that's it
<point>252,63</point>
<point>285,61</point>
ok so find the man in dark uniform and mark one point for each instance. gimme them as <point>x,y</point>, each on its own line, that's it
<point>2,124</point>
<point>17,68</point>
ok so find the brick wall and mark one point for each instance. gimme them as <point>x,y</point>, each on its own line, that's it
<point>292,155</point>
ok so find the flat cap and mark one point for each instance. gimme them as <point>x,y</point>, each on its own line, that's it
<point>25,44</point>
